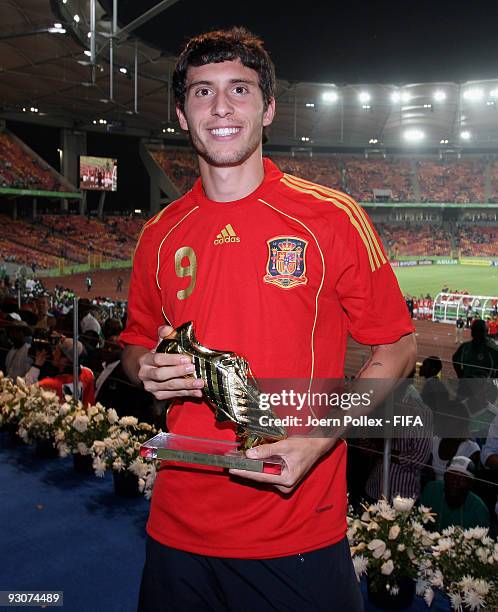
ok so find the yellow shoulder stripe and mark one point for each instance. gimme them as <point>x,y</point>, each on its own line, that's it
<point>356,214</point>
<point>372,256</point>
<point>360,213</point>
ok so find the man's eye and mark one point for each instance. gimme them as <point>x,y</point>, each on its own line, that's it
<point>202,92</point>
<point>240,89</point>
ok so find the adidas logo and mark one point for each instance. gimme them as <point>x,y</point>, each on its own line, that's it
<point>226,236</point>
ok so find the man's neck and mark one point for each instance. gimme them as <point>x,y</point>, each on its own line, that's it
<point>231,183</point>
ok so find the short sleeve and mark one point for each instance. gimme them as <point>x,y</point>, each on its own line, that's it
<point>367,287</point>
<point>144,298</point>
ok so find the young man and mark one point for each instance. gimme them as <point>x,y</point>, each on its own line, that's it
<point>280,271</point>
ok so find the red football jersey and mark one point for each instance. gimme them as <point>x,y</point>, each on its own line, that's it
<point>63,385</point>
<point>281,277</point>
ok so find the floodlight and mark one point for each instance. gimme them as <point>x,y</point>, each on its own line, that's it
<point>364,97</point>
<point>465,135</point>
<point>55,30</point>
<point>87,53</point>
<point>395,96</point>
<point>310,105</point>
<point>439,95</point>
<point>77,18</point>
<point>414,135</point>
<point>138,211</point>
<point>373,141</point>
<point>123,70</point>
<point>493,93</point>
<point>58,25</point>
<point>330,96</point>
<point>305,138</point>
<point>443,141</point>
<point>405,96</point>
<point>474,94</point>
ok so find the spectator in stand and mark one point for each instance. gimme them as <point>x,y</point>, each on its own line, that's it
<point>492,327</point>
<point>456,443</point>
<point>119,284</point>
<point>89,322</point>
<point>62,382</point>
<point>452,500</point>
<point>459,326</point>
<point>477,358</point>
<point>17,362</point>
<point>489,476</point>
<point>409,453</point>
<point>434,392</point>
<point>88,283</point>
<point>45,319</point>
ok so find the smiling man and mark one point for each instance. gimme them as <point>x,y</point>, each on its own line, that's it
<point>281,271</point>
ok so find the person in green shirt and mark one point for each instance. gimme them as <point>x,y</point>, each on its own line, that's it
<point>452,500</point>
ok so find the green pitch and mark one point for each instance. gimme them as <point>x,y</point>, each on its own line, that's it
<point>477,280</point>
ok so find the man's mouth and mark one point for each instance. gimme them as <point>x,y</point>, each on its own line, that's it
<point>225,131</point>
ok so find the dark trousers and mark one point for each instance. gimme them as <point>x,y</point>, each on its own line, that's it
<point>178,581</point>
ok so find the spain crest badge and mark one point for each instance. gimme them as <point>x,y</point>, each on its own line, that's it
<point>286,264</point>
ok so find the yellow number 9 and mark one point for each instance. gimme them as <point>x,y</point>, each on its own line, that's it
<point>189,270</point>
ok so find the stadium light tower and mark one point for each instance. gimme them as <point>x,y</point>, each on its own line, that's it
<point>474,94</point>
<point>413,135</point>
<point>364,97</point>
<point>439,95</point>
<point>465,135</point>
<point>330,96</point>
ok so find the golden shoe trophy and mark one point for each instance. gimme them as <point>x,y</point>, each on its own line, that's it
<point>233,393</point>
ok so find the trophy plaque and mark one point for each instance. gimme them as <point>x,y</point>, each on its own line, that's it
<point>233,393</point>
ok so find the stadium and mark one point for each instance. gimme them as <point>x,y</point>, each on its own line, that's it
<point>91,150</point>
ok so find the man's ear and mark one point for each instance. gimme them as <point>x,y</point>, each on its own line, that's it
<point>181,118</point>
<point>269,113</point>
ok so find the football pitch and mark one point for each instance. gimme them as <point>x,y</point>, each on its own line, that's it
<point>477,280</point>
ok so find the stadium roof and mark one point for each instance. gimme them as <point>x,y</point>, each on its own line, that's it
<point>50,77</point>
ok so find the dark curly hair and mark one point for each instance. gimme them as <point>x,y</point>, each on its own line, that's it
<point>225,46</point>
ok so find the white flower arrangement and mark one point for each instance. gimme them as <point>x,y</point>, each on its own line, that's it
<point>80,426</point>
<point>119,450</point>
<point>388,540</point>
<point>40,416</point>
<point>12,400</point>
<point>464,565</point>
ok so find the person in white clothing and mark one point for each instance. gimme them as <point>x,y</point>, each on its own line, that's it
<point>17,362</point>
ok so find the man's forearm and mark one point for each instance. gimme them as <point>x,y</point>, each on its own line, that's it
<point>391,361</point>
<point>129,361</point>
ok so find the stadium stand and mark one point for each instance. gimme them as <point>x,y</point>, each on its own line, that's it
<point>20,170</point>
<point>460,181</point>
<point>415,239</point>
<point>71,237</point>
<point>477,241</point>
<point>362,176</point>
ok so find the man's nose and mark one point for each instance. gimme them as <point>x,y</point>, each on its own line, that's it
<point>222,105</point>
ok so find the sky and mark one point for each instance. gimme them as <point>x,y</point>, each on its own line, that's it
<point>370,41</point>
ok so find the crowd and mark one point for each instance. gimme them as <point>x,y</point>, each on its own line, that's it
<point>19,170</point>
<point>397,178</point>
<point>71,237</point>
<point>455,474</point>
<point>416,239</point>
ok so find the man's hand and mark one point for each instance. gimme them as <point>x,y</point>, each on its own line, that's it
<point>298,454</point>
<point>167,376</point>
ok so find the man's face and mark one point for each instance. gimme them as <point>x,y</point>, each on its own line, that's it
<point>224,112</point>
<point>457,484</point>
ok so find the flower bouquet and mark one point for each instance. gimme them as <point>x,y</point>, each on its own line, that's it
<point>119,452</point>
<point>386,543</point>
<point>12,402</point>
<point>464,565</point>
<point>40,420</point>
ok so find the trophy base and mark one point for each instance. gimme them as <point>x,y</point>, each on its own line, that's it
<point>219,453</point>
